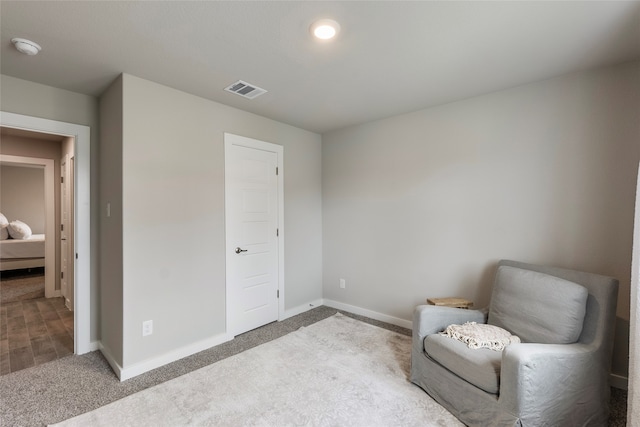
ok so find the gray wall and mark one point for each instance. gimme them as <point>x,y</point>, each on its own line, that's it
<point>413,206</point>
<point>424,204</point>
<point>173,215</point>
<point>33,99</point>
<point>22,195</point>
<point>111,122</point>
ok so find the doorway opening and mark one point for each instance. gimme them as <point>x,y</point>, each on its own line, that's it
<point>35,260</point>
<point>74,141</point>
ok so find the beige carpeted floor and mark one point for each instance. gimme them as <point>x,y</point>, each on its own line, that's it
<point>59,390</point>
<point>337,372</point>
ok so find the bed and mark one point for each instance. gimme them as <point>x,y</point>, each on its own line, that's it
<point>16,254</point>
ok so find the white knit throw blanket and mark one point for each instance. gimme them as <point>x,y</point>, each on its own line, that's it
<point>481,336</point>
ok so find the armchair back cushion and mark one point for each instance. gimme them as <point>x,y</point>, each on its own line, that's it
<point>537,307</point>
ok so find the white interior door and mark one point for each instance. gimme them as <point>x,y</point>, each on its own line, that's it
<point>252,235</point>
<point>71,238</point>
<point>64,226</point>
<point>67,269</point>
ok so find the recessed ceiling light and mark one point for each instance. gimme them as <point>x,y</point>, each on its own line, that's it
<point>26,46</point>
<point>325,29</point>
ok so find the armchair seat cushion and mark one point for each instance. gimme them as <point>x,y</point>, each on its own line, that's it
<point>480,367</point>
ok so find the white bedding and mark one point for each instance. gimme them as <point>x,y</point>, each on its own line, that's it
<point>33,247</point>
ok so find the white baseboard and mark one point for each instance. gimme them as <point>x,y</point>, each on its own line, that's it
<point>301,309</point>
<point>368,313</point>
<point>112,362</point>
<point>150,364</point>
<point>618,381</point>
<point>177,354</point>
<point>172,356</point>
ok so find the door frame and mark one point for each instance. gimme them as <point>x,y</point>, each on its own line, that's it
<point>82,215</point>
<point>242,141</point>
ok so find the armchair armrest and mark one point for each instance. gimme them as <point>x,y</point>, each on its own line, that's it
<point>429,319</point>
<point>550,381</point>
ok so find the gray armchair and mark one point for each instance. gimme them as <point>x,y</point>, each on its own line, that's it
<point>557,376</point>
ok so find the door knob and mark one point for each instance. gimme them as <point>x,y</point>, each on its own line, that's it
<point>238,250</point>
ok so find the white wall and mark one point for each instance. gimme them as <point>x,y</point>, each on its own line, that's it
<point>424,204</point>
<point>22,195</point>
<point>173,215</point>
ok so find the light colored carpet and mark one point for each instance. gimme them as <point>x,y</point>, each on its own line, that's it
<point>336,372</point>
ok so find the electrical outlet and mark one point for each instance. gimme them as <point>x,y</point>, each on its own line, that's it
<point>147,327</point>
<point>343,283</point>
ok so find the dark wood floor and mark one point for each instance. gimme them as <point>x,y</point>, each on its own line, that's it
<point>33,332</point>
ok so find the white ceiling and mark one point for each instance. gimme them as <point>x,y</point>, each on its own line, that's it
<point>390,57</point>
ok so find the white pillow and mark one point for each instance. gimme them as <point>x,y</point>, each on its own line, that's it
<point>19,230</point>
<point>481,335</point>
<point>4,227</point>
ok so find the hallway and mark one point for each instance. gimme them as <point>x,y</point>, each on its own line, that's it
<point>33,332</point>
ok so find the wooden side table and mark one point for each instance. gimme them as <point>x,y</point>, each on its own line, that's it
<point>451,302</point>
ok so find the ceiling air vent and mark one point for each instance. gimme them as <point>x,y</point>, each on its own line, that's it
<point>246,90</point>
